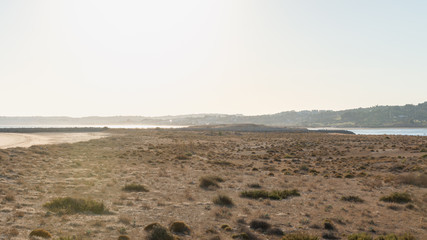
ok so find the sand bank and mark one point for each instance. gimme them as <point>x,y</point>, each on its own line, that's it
<point>8,140</point>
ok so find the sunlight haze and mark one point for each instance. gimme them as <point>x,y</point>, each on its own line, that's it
<point>154,58</point>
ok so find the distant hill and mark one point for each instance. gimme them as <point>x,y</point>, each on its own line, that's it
<point>378,116</point>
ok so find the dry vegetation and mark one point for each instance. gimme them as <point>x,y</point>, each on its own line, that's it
<point>164,184</point>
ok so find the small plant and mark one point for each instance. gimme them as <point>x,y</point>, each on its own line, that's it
<point>351,198</point>
<point>70,205</point>
<point>254,185</point>
<point>223,200</point>
<point>225,227</point>
<point>299,236</point>
<point>180,227</point>
<point>40,233</point>
<point>134,188</point>
<point>159,232</point>
<point>208,182</point>
<point>240,236</point>
<point>327,224</point>
<point>244,233</point>
<point>9,197</point>
<point>150,226</point>
<point>274,195</point>
<point>397,198</point>
<point>260,225</point>
<point>123,237</point>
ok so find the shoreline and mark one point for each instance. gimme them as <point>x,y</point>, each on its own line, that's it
<point>12,139</point>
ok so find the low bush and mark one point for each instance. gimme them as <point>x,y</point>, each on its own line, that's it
<point>254,185</point>
<point>158,232</point>
<point>274,195</point>
<point>260,225</point>
<point>223,200</point>
<point>180,228</point>
<point>134,188</point>
<point>40,233</point>
<point>207,182</point>
<point>351,198</point>
<point>397,198</point>
<point>327,224</point>
<point>68,205</point>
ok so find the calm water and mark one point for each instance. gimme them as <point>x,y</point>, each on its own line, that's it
<point>359,131</point>
<point>391,131</point>
<point>383,131</point>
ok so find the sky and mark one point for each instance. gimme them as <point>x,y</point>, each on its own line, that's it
<point>153,58</point>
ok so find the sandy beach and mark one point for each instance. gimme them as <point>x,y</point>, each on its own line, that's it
<point>9,140</point>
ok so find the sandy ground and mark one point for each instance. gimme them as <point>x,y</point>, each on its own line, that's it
<point>9,140</point>
<point>323,168</point>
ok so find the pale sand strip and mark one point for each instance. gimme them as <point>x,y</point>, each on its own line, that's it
<point>9,140</point>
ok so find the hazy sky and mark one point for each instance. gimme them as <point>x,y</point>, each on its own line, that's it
<point>85,58</point>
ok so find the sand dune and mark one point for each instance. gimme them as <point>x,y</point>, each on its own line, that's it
<point>8,140</point>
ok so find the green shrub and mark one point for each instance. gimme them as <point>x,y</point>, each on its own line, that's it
<point>275,194</point>
<point>351,198</point>
<point>134,188</point>
<point>40,233</point>
<point>70,205</point>
<point>123,237</point>
<point>223,200</point>
<point>397,198</point>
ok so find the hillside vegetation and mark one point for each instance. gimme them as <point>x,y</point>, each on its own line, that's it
<point>378,116</point>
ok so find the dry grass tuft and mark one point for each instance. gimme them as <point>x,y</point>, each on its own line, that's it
<point>419,180</point>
